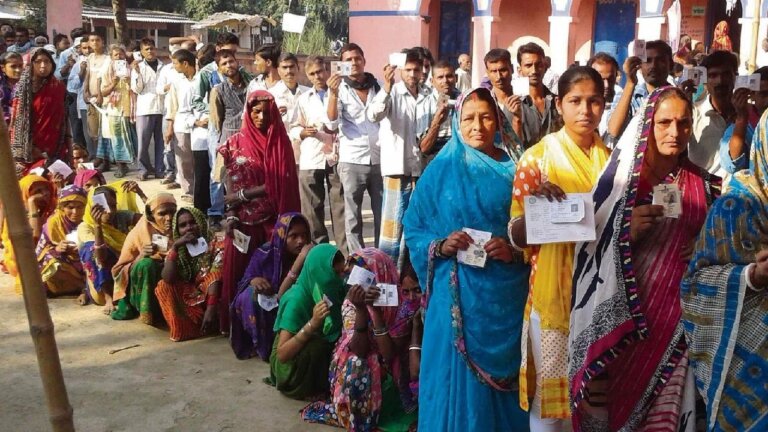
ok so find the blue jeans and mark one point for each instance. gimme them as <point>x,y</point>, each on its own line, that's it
<point>217,189</point>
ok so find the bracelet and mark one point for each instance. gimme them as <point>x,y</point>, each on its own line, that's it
<point>438,251</point>
<point>101,246</point>
<point>172,255</point>
<point>231,218</point>
<point>748,278</point>
<point>414,348</point>
<point>509,234</point>
<point>380,332</point>
<point>241,195</point>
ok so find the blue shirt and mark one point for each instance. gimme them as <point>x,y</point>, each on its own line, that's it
<point>730,165</point>
<point>62,60</point>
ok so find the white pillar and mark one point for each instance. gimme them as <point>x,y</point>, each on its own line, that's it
<point>559,36</point>
<point>745,49</point>
<point>482,42</point>
<point>649,27</point>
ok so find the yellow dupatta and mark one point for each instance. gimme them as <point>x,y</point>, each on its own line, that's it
<point>25,184</point>
<point>126,201</point>
<point>565,164</point>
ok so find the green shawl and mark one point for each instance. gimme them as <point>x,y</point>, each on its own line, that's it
<point>316,278</point>
<point>189,266</point>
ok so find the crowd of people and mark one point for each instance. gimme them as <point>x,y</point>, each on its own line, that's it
<point>659,323</point>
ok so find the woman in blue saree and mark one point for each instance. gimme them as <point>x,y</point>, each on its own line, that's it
<point>473,317</point>
<point>724,300</point>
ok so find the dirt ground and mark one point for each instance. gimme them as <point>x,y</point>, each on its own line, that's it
<point>158,386</point>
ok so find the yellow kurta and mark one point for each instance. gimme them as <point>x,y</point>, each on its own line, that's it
<point>558,160</point>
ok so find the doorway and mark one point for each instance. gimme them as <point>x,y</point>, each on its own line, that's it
<point>724,10</point>
<point>455,29</point>
<point>615,28</point>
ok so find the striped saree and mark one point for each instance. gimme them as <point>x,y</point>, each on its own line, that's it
<point>628,356</point>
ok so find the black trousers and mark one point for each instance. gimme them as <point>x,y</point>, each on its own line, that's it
<point>201,193</point>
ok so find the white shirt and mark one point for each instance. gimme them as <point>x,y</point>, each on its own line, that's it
<point>399,112</point>
<point>285,98</point>
<point>144,84</point>
<point>311,111</point>
<point>358,136</point>
<point>181,105</point>
<point>167,75</point>
<point>463,80</point>
<point>704,145</point>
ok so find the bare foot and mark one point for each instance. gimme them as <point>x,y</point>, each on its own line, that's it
<point>108,308</point>
<point>82,299</point>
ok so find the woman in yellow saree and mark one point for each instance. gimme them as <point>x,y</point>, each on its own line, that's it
<point>101,237</point>
<point>57,256</point>
<point>39,197</point>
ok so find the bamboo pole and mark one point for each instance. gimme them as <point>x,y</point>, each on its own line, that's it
<point>40,323</point>
<point>752,65</point>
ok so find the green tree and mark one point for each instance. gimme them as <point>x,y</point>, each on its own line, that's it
<point>35,19</point>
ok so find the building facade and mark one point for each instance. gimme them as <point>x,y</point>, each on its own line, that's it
<point>568,30</point>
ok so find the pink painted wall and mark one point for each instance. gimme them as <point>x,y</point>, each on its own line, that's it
<point>582,28</point>
<point>519,19</point>
<point>380,36</point>
<point>695,26</point>
<point>63,16</point>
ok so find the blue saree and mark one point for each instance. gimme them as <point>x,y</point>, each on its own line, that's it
<point>726,321</point>
<point>474,316</point>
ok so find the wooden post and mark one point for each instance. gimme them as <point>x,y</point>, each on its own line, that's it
<point>35,301</point>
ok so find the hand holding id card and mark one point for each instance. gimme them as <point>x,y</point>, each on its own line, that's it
<point>668,196</point>
<point>343,68</point>
<point>475,255</point>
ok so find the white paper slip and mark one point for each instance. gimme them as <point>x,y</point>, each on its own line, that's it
<point>200,247</point>
<point>397,60</point>
<point>71,237</point>
<point>702,74</point>
<point>638,50</point>
<point>521,86</point>
<point>241,241</point>
<point>101,200</point>
<point>121,68</point>
<point>86,165</point>
<point>362,277</point>
<point>267,303</point>
<point>160,241</point>
<point>539,228</point>
<point>475,254</point>
<point>39,171</point>
<point>387,296</point>
<point>668,196</point>
<point>327,301</point>
<point>569,210</point>
<point>60,167</point>
<point>341,68</point>
<point>751,82</point>
<point>691,74</point>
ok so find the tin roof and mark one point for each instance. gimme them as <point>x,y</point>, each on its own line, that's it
<point>136,15</point>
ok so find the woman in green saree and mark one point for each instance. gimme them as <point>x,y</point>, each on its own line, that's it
<point>308,325</point>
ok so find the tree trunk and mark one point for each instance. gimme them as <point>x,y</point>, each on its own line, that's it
<point>121,21</point>
<point>40,324</point>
